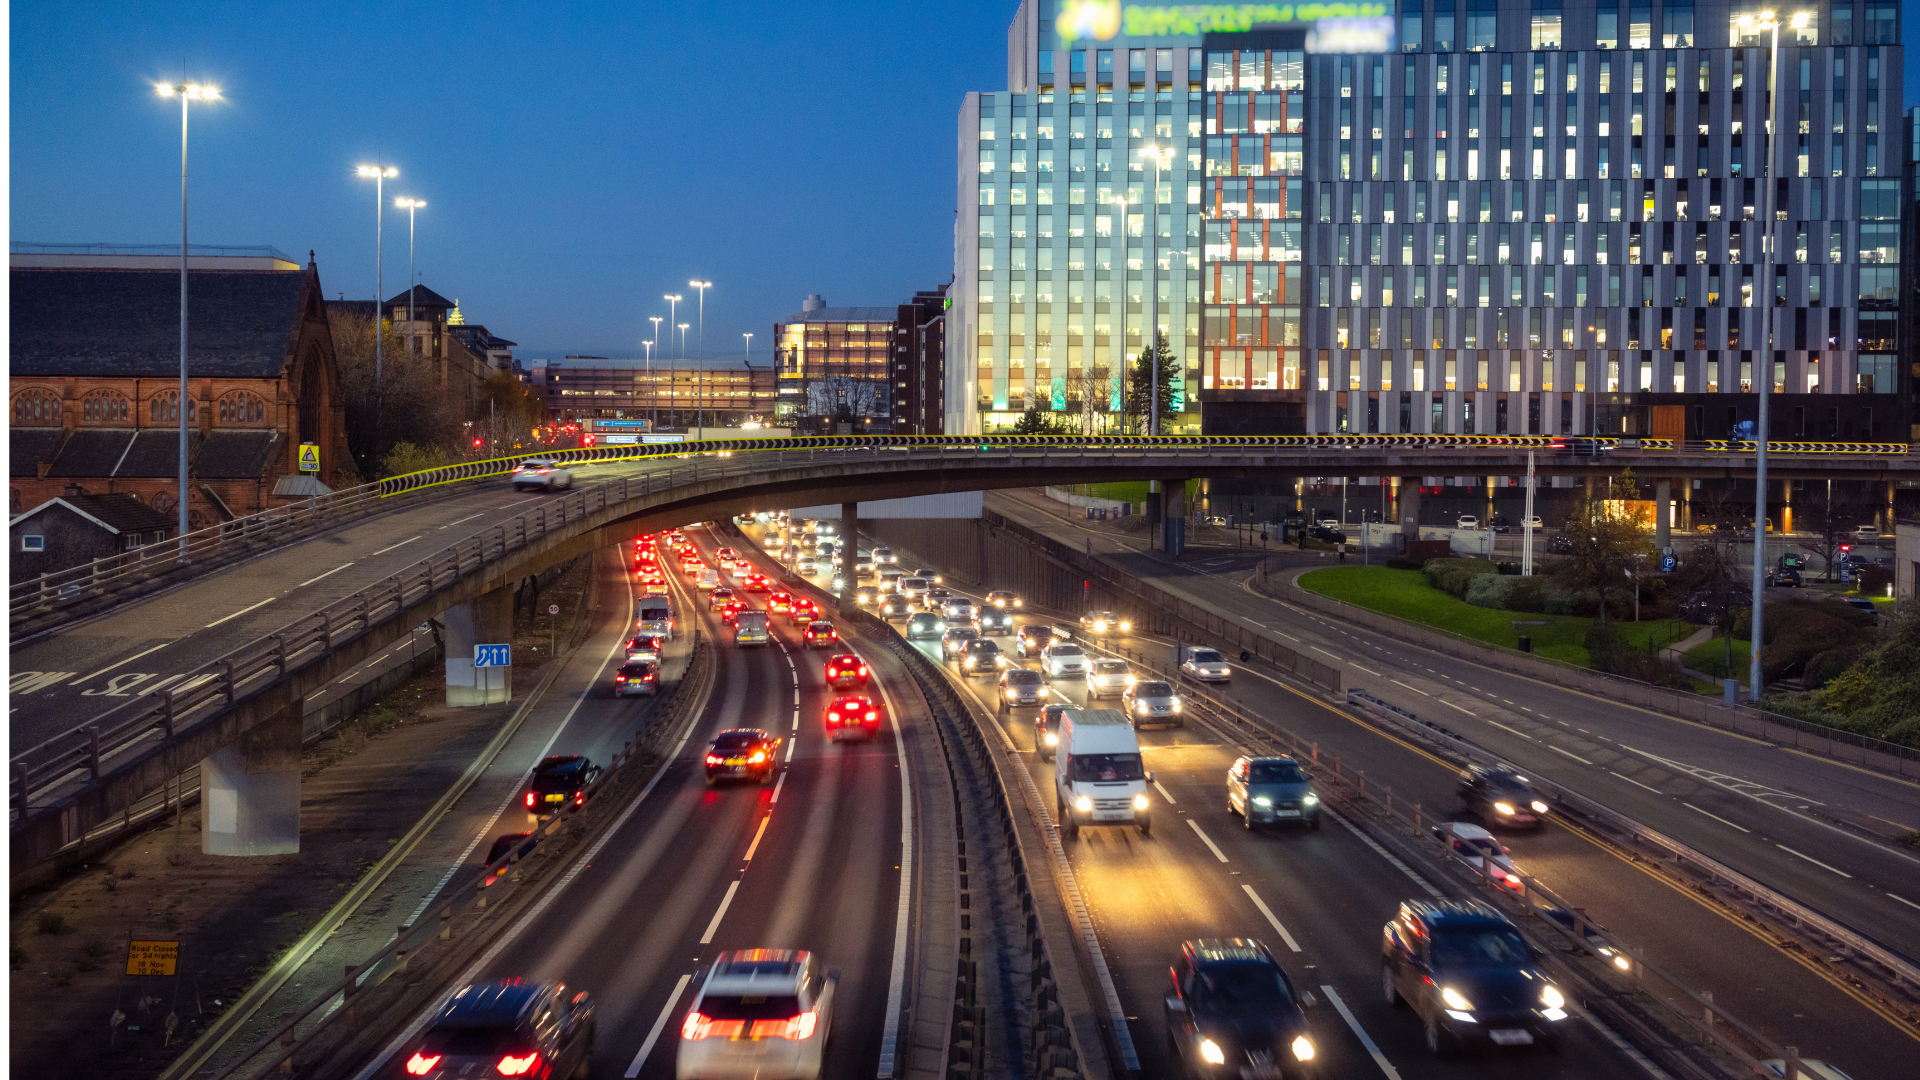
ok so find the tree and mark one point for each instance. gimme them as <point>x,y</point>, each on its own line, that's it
<point>1607,537</point>
<point>413,407</point>
<point>1039,421</point>
<point>847,399</point>
<point>1831,517</point>
<point>1089,396</point>
<point>1140,386</point>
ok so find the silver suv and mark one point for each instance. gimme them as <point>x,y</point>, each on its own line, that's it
<point>540,472</point>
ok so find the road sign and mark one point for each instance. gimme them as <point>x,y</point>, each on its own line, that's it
<point>309,457</point>
<point>152,957</point>
<point>1667,563</point>
<point>553,609</point>
<point>492,656</point>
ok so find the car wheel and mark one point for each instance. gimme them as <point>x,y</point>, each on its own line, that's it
<point>1436,1038</point>
<point>1387,990</point>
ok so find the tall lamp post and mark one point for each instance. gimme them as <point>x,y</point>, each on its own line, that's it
<point>652,388</point>
<point>683,339</point>
<point>748,361</point>
<point>1769,21</point>
<point>186,92</point>
<point>378,174</point>
<point>1160,156</point>
<point>701,386</point>
<point>410,205</point>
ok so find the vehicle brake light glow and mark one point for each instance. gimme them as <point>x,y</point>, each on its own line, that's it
<point>518,1066</point>
<point>698,1026</point>
<point>758,756</point>
<point>529,798</point>
<point>798,1027</point>
<point>421,1064</point>
<point>712,759</point>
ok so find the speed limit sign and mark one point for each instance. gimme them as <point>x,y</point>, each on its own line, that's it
<point>553,609</point>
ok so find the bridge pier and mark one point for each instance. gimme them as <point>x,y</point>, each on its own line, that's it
<point>1663,514</point>
<point>250,790</point>
<point>849,554</point>
<point>1410,508</point>
<point>1173,515</point>
<point>485,620</point>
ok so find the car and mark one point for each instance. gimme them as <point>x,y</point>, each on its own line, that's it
<point>780,601</point>
<point>1570,444</point>
<point>846,672</point>
<point>725,554</point>
<point>915,589</point>
<point>820,634</point>
<point>731,612</point>
<point>1501,796</point>
<point>515,844</point>
<point>894,607</point>
<point>889,580</point>
<point>1328,523</point>
<point>1021,686</point>
<point>928,575</point>
<point>1033,637</point>
<point>1204,665</point>
<point>995,621</point>
<point>953,643</point>
<point>1063,658</point>
<point>1534,522</point>
<point>644,647</point>
<point>1466,521</point>
<point>1468,975</point>
<point>804,611</point>
<point>852,717</point>
<point>1232,1012</point>
<point>1005,598</point>
<point>982,657</point>
<point>923,625</point>
<point>1328,534</point>
<point>865,594</point>
<point>758,1012</point>
<point>805,565</point>
<point>1271,790</point>
<point>884,557</point>
<point>1867,532</point>
<point>1107,678</point>
<point>957,609</point>
<point>540,472</point>
<point>1151,701</point>
<point>1477,848</point>
<point>862,567</point>
<point>937,597</point>
<point>1500,524</point>
<point>1104,622</point>
<point>1861,603</point>
<point>560,781</point>
<point>637,678</point>
<point>1046,730</point>
<point>744,753</point>
<point>1784,578</point>
<point>508,1027</point>
<point>757,582</point>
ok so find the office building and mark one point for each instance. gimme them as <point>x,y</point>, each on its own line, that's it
<point>919,365</point>
<point>583,388</point>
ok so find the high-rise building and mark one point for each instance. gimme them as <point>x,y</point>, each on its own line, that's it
<point>1460,216</point>
<point>833,365</point>
<point>919,365</point>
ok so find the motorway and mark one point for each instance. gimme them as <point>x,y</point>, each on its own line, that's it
<point>1331,891</point>
<point>812,862</point>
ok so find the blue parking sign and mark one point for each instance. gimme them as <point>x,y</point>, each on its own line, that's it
<point>486,656</point>
<point>1667,563</point>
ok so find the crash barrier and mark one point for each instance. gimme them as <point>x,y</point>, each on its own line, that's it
<point>328,1036</point>
<point>1747,720</point>
<point>51,599</point>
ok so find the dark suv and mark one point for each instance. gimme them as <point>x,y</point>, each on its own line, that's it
<point>1469,976</point>
<point>512,1027</point>
<point>1232,1011</point>
<point>1502,797</point>
<point>559,782</point>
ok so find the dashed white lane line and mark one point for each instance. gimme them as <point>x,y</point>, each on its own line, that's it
<point>242,611</point>
<point>1637,783</point>
<point>1568,753</point>
<point>329,573</point>
<point>1814,861</point>
<point>1207,840</point>
<point>1165,794</point>
<point>659,1026</point>
<point>1335,655</point>
<point>1415,689</point>
<point>463,520</point>
<point>1715,817</point>
<point>401,544</point>
<point>1357,667</point>
<point>1359,1032</point>
<point>777,785</point>
<point>1457,708</point>
<point>792,744</point>
<point>1504,727</point>
<point>758,833</point>
<point>1268,912</point>
<point>1906,901</point>
<point>725,902</point>
<point>120,663</point>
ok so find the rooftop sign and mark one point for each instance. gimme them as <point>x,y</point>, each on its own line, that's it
<point>1103,20</point>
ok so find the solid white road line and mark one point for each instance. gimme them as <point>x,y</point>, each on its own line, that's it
<point>243,611</point>
<point>1637,783</point>
<point>1207,840</point>
<point>1814,861</point>
<point>1268,912</point>
<point>1359,1032</point>
<point>1415,689</point>
<point>401,544</point>
<point>897,977</point>
<point>1165,794</point>
<point>725,902</point>
<point>659,1026</point>
<point>1715,817</point>
<point>758,833</point>
<point>1457,708</point>
<point>329,573</point>
<point>1568,753</point>
<point>121,663</point>
<point>1504,727</point>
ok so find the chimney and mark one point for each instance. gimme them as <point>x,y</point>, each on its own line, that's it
<point>72,491</point>
<point>813,302</point>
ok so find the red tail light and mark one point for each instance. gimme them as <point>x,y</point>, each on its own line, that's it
<point>712,759</point>
<point>579,798</point>
<point>421,1064</point>
<point>871,715</point>
<point>697,1026</point>
<point>863,669</point>
<point>758,756</point>
<point>798,1027</point>
<point>649,677</point>
<point>529,798</point>
<point>519,1066</point>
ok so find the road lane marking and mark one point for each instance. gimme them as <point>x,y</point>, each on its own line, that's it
<point>1207,840</point>
<point>758,833</point>
<point>777,785</point>
<point>1383,852</point>
<point>1336,656</point>
<point>1357,667</point>
<point>659,1026</point>
<point>1568,753</point>
<point>1268,912</point>
<point>1906,901</point>
<point>897,975</point>
<point>1359,1032</point>
<point>1457,708</point>
<point>1715,817</point>
<point>1165,794</point>
<point>791,745</point>
<point>1814,861</point>
<point>157,648</point>
<point>329,573</point>
<point>725,902</point>
<point>242,611</point>
<point>1504,727</point>
<point>468,518</point>
<point>1415,689</point>
<point>1637,783</point>
<point>401,544</point>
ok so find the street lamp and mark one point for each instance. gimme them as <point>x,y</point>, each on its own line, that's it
<point>1765,20</point>
<point>652,387</point>
<point>1161,157</point>
<point>186,92</point>
<point>701,386</point>
<point>1120,296</point>
<point>378,174</point>
<point>409,205</point>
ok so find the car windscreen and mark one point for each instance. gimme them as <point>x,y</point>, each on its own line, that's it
<point>1110,667</point>
<point>750,1006</point>
<point>982,647</point>
<point>1248,987</point>
<point>734,742</point>
<point>1275,772</point>
<point>1107,768</point>
<point>1065,650</point>
<point>1152,690</point>
<point>1205,656</point>
<point>635,670</point>
<point>1023,677</point>
<point>1478,948</point>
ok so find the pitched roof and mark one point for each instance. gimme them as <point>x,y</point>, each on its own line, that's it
<point>423,297</point>
<point>118,513</point>
<point>123,453</point>
<point>30,446</point>
<point>126,323</point>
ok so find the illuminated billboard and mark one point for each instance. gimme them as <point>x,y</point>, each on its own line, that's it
<point>1332,27</point>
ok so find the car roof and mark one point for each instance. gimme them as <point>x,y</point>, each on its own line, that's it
<point>560,763</point>
<point>762,971</point>
<point>1204,951</point>
<point>499,1004</point>
<point>1465,831</point>
<point>758,733</point>
<point>1273,759</point>
<point>1456,913</point>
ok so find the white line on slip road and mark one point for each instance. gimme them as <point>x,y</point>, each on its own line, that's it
<point>469,517</point>
<point>329,573</point>
<point>1357,667</point>
<point>1165,794</point>
<point>1286,635</point>
<point>1457,708</point>
<point>402,543</point>
<point>1814,861</point>
<point>659,1026</point>
<point>1568,753</point>
<point>243,611</point>
<point>792,744</point>
<point>1383,852</point>
<point>1906,901</point>
<point>1207,840</point>
<point>1268,912</point>
<point>1716,817</point>
<point>777,785</point>
<point>707,938</point>
<point>758,833</point>
<point>1637,783</point>
<point>1415,689</point>
<point>1366,1040</point>
<point>121,663</point>
<point>1504,727</point>
<point>1335,655</point>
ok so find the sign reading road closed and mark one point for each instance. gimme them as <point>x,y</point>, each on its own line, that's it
<point>492,656</point>
<point>152,957</point>
<point>309,457</point>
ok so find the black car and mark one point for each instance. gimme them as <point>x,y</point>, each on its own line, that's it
<point>1784,578</point>
<point>895,607</point>
<point>1232,1011</point>
<point>1502,797</point>
<point>1031,638</point>
<point>744,753</point>
<point>1500,524</point>
<point>510,1027</point>
<point>996,621</point>
<point>559,782</point>
<point>1046,730</point>
<point>1328,534</point>
<point>982,657</point>
<point>1469,976</point>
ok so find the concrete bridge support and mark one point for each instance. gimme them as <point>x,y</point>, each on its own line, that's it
<point>1174,517</point>
<point>1410,507</point>
<point>1663,514</point>
<point>250,790</point>
<point>849,554</point>
<point>486,620</point>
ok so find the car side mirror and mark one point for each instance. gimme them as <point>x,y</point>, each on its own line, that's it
<point>1175,1005</point>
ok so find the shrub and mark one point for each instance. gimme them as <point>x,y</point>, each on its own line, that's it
<point>1398,563</point>
<point>1873,581</point>
<point>1527,594</point>
<point>1489,590</point>
<point>1451,576</point>
<point>1604,645</point>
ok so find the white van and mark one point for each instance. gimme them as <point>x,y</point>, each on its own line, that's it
<point>1098,776</point>
<point>654,616</point>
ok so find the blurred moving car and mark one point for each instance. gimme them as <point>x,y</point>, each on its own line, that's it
<point>1501,796</point>
<point>953,643</point>
<point>746,753</point>
<point>1005,598</point>
<point>758,1012</point>
<point>1033,637</point>
<point>1205,665</point>
<point>560,781</point>
<point>1046,730</point>
<point>1271,789</point>
<point>925,624</point>
<point>995,621</point>
<point>894,607</point>
<point>957,609</point>
<point>719,597</point>
<point>1232,1012</point>
<point>982,657</point>
<point>846,671</point>
<point>1469,976</point>
<point>928,575</point>
<point>1108,678</point>
<point>820,634</point>
<point>509,1027</point>
<point>524,842</point>
<point>637,678</point>
<point>1021,686</point>
<point>1063,659</point>
<point>853,717</point>
<point>1151,701</point>
<point>541,472</point>
<point>1476,847</point>
<point>1104,622</point>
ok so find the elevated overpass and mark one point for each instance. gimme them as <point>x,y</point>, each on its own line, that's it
<point>129,671</point>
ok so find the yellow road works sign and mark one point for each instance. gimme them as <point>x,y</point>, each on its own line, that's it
<point>152,957</point>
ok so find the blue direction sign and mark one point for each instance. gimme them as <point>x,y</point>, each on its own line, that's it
<point>492,656</point>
